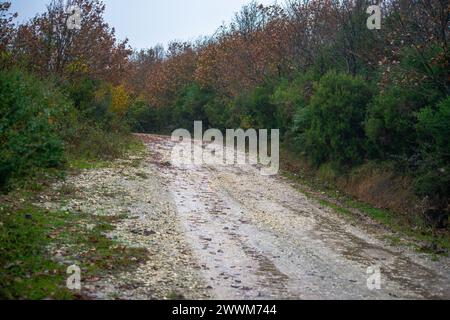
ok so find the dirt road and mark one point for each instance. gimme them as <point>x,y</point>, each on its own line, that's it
<point>258,237</point>
<point>227,232</point>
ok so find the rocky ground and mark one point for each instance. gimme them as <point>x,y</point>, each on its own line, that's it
<point>227,232</point>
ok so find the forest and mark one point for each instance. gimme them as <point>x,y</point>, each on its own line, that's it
<point>347,100</point>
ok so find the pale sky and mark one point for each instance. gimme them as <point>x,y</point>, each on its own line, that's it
<point>149,22</point>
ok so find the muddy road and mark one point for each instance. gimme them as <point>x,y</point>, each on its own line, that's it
<point>227,232</point>
<point>258,237</point>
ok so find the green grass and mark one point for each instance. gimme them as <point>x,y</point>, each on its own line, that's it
<point>394,240</point>
<point>136,146</point>
<point>344,211</point>
<point>87,164</point>
<point>142,175</point>
<point>436,243</point>
<point>27,269</point>
<point>83,162</point>
<point>382,216</point>
<point>395,222</point>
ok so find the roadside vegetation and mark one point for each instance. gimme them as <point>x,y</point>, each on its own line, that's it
<point>365,110</point>
<point>37,247</point>
<point>62,107</point>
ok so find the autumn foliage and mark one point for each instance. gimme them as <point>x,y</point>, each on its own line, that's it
<point>341,94</point>
<point>63,93</point>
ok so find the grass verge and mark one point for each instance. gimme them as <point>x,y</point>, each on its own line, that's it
<point>421,237</point>
<point>37,245</point>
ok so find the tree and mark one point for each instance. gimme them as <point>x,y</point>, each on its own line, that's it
<point>142,65</point>
<point>169,77</point>
<point>336,113</point>
<point>6,32</point>
<point>48,46</point>
<point>433,179</point>
<point>120,100</point>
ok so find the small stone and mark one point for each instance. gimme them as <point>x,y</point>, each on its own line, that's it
<point>149,233</point>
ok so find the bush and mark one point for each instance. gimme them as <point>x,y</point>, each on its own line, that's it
<point>254,109</point>
<point>142,118</point>
<point>82,93</point>
<point>92,142</point>
<point>218,112</point>
<point>100,126</point>
<point>30,124</point>
<point>189,107</point>
<point>334,120</point>
<point>419,80</point>
<point>94,100</point>
<point>40,127</point>
<point>434,138</point>
<point>390,123</point>
<point>291,99</point>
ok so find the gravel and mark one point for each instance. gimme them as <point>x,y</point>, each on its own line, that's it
<point>148,220</point>
<point>227,232</point>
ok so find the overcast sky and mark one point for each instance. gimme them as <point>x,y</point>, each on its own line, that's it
<point>149,22</point>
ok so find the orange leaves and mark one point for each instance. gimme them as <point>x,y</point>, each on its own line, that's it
<point>6,25</point>
<point>254,47</point>
<point>171,75</point>
<point>268,42</point>
<point>238,58</point>
<point>49,47</point>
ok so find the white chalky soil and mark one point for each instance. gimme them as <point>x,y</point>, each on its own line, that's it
<point>227,232</point>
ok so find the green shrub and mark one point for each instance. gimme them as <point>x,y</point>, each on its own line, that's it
<point>419,80</point>
<point>390,123</point>
<point>218,112</point>
<point>92,142</point>
<point>334,120</point>
<point>96,132</point>
<point>92,100</point>
<point>434,138</point>
<point>189,107</point>
<point>290,98</point>
<point>30,123</point>
<point>141,117</point>
<point>424,71</point>
<point>254,109</point>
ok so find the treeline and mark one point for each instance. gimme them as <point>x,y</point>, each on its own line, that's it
<point>341,94</point>
<point>62,91</point>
